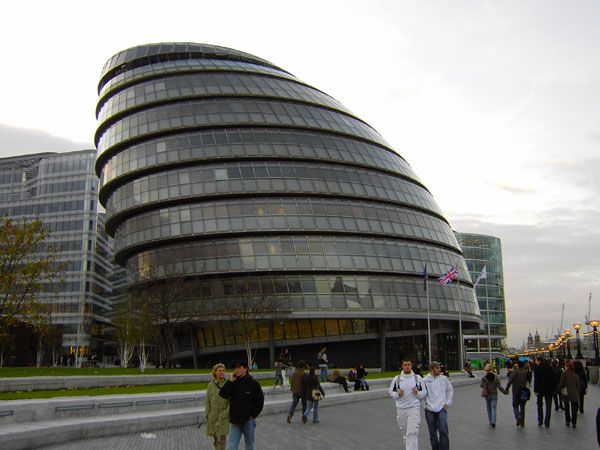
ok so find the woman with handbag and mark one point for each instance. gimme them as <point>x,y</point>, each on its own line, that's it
<point>217,409</point>
<point>568,388</point>
<point>313,393</point>
<point>490,384</point>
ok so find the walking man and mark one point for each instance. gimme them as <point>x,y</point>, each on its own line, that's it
<point>297,384</point>
<point>408,389</point>
<point>439,397</point>
<point>544,385</point>
<point>323,364</point>
<point>246,401</point>
<point>518,380</point>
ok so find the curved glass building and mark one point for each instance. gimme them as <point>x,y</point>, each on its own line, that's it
<point>225,168</point>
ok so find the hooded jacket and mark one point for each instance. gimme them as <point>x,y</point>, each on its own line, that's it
<point>439,392</point>
<point>246,399</point>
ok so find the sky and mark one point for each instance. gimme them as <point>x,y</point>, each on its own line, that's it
<point>495,104</point>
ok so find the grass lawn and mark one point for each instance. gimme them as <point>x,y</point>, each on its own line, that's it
<point>128,390</point>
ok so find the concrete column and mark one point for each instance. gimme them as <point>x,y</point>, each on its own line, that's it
<point>382,329</point>
<point>271,345</point>
<point>194,342</point>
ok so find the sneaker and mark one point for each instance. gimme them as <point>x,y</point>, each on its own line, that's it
<point>574,426</point>
<point>493,425</point>
<point>303,419</point>
<point>289,419</point>
<point>316,421</point>
<point>568,424</point>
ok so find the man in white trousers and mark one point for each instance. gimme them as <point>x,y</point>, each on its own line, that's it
<point>408,389</point>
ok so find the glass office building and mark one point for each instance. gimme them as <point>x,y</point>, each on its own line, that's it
<point>61,189</point>
<point>227,169</point>
<point>486,251</point>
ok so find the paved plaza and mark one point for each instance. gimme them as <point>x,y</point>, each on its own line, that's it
<point>372,425</point>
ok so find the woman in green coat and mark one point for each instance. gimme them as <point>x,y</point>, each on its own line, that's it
<point>217,409</point>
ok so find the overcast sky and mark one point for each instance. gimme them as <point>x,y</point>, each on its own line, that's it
<point>495,104</point>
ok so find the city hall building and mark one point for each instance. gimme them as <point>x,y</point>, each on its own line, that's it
<point>222,167</point>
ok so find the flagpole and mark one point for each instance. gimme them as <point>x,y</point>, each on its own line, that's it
<point>487,302</point>
<point>460,334</point>
<point>428,323</point>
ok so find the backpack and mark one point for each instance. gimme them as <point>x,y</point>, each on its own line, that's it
<point>524,394</point>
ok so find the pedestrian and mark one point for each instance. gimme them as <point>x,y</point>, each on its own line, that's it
<point>490,384</point>
<point>568,388</point>
<point>361,374</point>
<point>583,383</point>
<point>544,385</point>
<point>337,377</point>
<point>216,409</point>
<point>287,366</point>
<point>557,371</point>
<point>438,399</point>
<point>278,374</point>
<point>518,381</point>
<point>297,384</point>
<point>323,364</point>
<point>407,390</point>
<point>313,393</point>
<point>246,401</point>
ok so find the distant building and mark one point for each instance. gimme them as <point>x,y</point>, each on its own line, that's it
<point>229,170</point>
<point>486,251</point>
<point>61,189</point>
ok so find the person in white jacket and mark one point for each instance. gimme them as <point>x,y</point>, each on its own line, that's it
<point>439,397</point>
<point>408,389</point>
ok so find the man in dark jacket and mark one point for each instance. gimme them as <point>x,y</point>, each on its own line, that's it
<point>246,401</point>
<point>544,385</point>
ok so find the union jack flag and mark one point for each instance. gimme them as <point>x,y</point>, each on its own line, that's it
<point>449,276</point>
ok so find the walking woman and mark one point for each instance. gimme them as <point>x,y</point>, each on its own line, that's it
<point>569,380</point>
<point>217,409</point>
<point>313,392</point>
<point>583,384</point>
<point>490,384</point>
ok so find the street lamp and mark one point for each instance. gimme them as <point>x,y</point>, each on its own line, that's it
<point>594,323</point>
<point>577,327</point>
<point>567,334</point>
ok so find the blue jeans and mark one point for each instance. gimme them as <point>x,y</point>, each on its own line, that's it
<point>324,373</point>
<point>438,423</point>
<point>490,402</point>
<point>295,400</point>
<point>278,379</point>
<point>235,434</point>
<point>309,405</point>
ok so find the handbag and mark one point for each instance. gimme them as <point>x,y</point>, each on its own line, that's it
<point>484,391</point>
<point>564,392</point>
<point>316,395</point>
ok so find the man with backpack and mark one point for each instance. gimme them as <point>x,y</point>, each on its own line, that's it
<point>407,389</point>
<point>520,393</point>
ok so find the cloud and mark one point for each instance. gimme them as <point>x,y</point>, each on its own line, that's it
<point>19,141</point>
<point>510,188</point>
<point>546,264</point>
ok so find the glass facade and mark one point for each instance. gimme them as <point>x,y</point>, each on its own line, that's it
<point>223,167</point>
<point>486,251</point>
<point>61,189</point>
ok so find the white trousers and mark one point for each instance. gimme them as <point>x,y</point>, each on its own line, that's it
<point>408,421</point>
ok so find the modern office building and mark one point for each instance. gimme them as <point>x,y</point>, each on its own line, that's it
<point>222,167</point>
<point>61,189</point>
<point>486,251</point>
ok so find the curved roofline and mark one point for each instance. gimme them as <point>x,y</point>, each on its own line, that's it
<point>145,54</point>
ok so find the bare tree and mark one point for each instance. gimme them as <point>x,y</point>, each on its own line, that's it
<point>246,313</point>
<point>170,300</point>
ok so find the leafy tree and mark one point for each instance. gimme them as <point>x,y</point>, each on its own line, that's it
<point>27,268</point>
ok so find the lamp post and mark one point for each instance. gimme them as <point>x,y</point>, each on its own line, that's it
<point>567,335</point>
<point>577,327</point>
<point>594,323</point>
<point>562,344</point>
